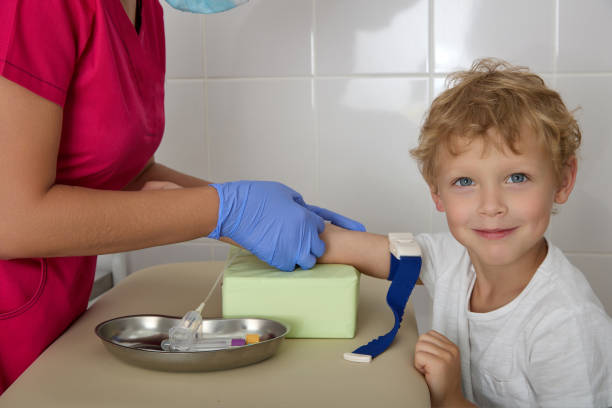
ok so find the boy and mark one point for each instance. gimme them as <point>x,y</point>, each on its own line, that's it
<point>515,324</point>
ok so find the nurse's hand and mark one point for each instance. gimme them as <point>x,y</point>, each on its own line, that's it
<point>273,222</point>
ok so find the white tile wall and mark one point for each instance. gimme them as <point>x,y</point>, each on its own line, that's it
<point>263,129</point>
<point>584,223</point>
<point>366,129</point>
<point>184,43</point>
<point>328,95</point>
<point>192,251</point>
<point>584,36</point>
<point>519,31</point>
<point>185,128</point>
<point>367,37</point>
<point>269,38</point>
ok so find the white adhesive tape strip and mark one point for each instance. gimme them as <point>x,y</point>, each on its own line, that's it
<point>358,358</point>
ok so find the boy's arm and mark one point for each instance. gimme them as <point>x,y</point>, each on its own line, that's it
<point>367,252</point>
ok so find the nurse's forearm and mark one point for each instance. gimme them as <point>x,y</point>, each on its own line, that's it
<point>154,171</point>
<point>72,221</point>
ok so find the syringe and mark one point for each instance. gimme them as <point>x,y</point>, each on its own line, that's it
<point>207,344</point>
<point>183,336</point>
<point>216,344</point>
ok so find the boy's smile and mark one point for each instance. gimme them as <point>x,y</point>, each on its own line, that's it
<point>497,202</point>
<point>495,233</point>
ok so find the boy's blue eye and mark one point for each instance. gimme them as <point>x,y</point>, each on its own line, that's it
<point>464,182</point>
<point>517,178</point>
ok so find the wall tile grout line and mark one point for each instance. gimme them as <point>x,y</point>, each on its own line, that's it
<point>431,65</point>
<point>556,45</point>
<point>313,100</point>
<point>423,75</point>
<point>326,76</point>
<point>427,76</point>
<point>207,141</point>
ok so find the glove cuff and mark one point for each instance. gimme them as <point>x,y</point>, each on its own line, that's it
<point>216,233</point>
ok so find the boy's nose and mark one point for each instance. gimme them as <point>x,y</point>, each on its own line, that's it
<point>492,203</point>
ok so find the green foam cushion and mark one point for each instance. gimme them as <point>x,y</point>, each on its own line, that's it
<point>317,303</point>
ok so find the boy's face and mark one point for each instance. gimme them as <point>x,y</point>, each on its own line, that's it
<point>498,203</point>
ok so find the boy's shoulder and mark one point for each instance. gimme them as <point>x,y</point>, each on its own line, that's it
<point>560,294</point>
<point>565,325</point>
<point>560,280</point>
<point>444,258</point>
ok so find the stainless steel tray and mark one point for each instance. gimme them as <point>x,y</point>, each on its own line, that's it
<point>137,340</point>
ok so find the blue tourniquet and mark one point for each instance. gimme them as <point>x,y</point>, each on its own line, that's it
<point>403,274</point>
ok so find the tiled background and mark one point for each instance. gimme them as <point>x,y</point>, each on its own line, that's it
<point>327,96</point>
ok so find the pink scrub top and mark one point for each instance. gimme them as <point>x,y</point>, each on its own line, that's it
<point>86,56</point>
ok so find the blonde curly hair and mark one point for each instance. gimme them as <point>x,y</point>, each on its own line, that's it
<point>494,94</point>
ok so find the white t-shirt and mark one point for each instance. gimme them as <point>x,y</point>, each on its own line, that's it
<point>551,346</point>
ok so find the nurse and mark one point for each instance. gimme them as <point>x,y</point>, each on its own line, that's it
<point>81,115</point>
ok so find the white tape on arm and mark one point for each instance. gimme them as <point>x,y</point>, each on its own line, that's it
<point>403,244</point>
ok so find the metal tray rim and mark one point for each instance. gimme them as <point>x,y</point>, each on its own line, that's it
<point>99,326</point>
<point>187,361</point>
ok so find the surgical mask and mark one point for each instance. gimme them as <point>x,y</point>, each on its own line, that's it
<point>205,6</point>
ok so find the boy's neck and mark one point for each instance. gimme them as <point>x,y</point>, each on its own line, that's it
<point>497,286</point>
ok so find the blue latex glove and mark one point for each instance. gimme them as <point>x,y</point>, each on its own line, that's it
<point>273,222</point>
<point>336,219</point>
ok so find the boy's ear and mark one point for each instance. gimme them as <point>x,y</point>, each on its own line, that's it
<point>436,198</point>
<point>568,179</point>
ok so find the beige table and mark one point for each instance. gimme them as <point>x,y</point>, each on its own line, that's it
<point>77,371</point>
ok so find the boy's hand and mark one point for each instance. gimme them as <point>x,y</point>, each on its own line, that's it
<point>437,358</point>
